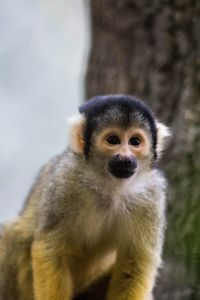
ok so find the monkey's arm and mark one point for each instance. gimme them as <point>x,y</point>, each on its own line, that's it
<point>51,272</point>
<point>139,255</point>
<point>133,276</point>
<point>50,251</point>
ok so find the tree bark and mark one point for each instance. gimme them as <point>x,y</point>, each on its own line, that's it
<point>151,49</point>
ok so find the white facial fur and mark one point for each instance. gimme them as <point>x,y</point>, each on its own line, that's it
<point>163,135</point>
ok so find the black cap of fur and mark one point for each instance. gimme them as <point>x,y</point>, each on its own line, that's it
<point>96,108</point>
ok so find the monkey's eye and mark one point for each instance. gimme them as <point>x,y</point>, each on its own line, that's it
<point>135,141</point>
<point>113,140</point>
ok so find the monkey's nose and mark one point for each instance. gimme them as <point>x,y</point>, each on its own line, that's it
<point>126,162</point>
<point>122,166</point>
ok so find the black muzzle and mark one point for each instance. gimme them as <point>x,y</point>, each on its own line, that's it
<point>122,167</point>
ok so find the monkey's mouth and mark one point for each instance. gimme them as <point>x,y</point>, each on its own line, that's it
<point>122,168</point>
<point>121,173</point>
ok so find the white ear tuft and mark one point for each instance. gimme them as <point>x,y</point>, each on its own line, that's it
<point>163,135</point>
<point>76,128</point>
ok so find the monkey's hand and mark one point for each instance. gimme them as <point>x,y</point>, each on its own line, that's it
<point>51,274</point>
<point>133,277</point>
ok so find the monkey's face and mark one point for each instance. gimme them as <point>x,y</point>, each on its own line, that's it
<point>124,151</point>
<point>118,136</point>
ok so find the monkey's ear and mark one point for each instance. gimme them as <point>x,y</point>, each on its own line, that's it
<point>163,137</point>
<point>76,131</point>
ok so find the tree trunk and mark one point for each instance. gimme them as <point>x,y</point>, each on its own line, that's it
<point>151,49</point>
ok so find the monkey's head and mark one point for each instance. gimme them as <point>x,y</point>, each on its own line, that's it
<point>118,135</point>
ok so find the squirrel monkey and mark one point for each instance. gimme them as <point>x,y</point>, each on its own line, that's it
<point>98,207</point>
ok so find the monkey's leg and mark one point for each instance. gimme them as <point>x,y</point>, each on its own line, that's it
<point>133,277</point>
<point>51,274</point>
